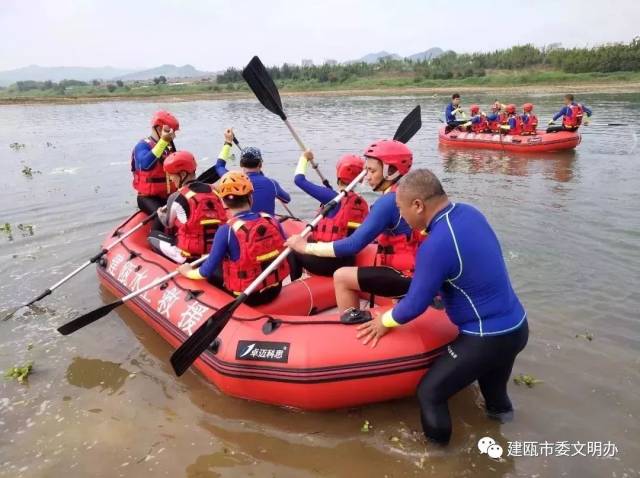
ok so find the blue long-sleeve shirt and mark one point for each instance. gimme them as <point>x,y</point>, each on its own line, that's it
<point>383,216</point>
<point>462,260</point>
<point>265,190</point>
<point>143,158</point>
<point>448,113</point>
<point>225,244</point>
<point>322,194</point>
<point>566,111</point>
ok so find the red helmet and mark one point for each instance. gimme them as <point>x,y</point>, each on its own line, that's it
<point>179,162</point>
<point>511,108</point>
<point>475,109</point>
<point>527,107</point>
<point>391,153</point>
<point>161,118</point>
<point>348,167</point>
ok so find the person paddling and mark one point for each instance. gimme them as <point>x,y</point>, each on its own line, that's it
<point>451,112</point>
<point>265,189</point>
<point>572,116</point>
<point>386,161</point>
<point>529,120</point>
<point>513,125</point>
<point>243,247</point>
<point>478,122</point>
<point>149,178</point>
<point>192,215</point>
<point>497,117</point>
<point>342,220</point>
<point>463,262</point>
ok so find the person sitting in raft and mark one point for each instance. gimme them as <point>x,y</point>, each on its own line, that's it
<point>529,120</point>
<point>572,116</point>
<point>497,117</point>
<point>478,122</point>
<point>386,161</point>
<point>451,111</point>
<point>513,125</point>
<point>149,179</point>
<point>266,190</point>
<point>463,262</point>
<point>193,213</point>
<point>244,246</point>
<point>340,221</point>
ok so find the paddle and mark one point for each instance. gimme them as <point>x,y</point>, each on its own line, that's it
<point>86,264</point>
<point>91,317</point>
<point>260,82</point>
<point>284,204</point>
<point>200,340</point>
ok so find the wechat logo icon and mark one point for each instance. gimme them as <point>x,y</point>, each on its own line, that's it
<point>488,446</point>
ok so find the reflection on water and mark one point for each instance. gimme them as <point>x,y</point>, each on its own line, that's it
<point>105,402</point>
<point>557,166</point>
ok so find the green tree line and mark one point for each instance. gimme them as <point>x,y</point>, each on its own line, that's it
<point>605,59</point>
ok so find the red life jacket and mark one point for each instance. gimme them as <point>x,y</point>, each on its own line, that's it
<point>353,210</point>
<point>530,126</point>
<point>260,243</point>
<point>399,251</point>
<point>518,128</point>
<point>576,116</point>
<point>206,215</point>
<point>494,125</point>
<point>153,182</point>
<point>481,126</point>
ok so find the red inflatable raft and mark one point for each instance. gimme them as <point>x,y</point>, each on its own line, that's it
<point>541,142</point>
<point>310,361</point>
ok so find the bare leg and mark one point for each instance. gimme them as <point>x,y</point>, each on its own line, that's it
<point>345,281</point>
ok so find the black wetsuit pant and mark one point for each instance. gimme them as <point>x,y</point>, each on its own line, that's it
<point>451,125</point>
<point>255,298</point>
<point>150,204</point>
<point>555,129</point>
<point>322,266</point>
<point>468,358</point>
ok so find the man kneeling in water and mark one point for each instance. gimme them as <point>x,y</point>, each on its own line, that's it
<point>462,260</point>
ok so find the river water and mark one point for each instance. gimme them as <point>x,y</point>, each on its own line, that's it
<point>104,401</point>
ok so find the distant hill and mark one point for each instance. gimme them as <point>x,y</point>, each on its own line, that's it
<point>429,54</point>
<point>375,57</point>
<point>57,73</point>
<point>169,71</point>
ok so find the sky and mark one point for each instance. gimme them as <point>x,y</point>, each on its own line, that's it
<point>213,35</point>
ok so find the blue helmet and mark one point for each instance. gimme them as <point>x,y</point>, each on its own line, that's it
<point>251,157</point>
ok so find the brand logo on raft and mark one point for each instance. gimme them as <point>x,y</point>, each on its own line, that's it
<point>263,351</point>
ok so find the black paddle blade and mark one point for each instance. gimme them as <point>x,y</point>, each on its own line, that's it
<point>260,82</point>
<point>90,318</point>
<point>409,126</point>
<point>198,342</point>
<point>209,176</point>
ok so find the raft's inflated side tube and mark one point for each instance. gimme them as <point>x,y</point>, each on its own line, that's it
<point>543,142</point>
<point>278,353</point>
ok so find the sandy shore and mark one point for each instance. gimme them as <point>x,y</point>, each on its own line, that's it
<point>602,87</point>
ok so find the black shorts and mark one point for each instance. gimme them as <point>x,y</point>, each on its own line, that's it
<point>383,281</point>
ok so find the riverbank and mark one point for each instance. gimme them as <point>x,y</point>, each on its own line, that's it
<point>498,83</point>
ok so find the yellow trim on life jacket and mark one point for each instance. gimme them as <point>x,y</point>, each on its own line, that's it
<point>268,255</point>
<point>189,194</point>
<point>210,221</point>
<point>353,225</point>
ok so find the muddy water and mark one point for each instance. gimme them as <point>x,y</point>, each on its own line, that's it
<point>104,401</point>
